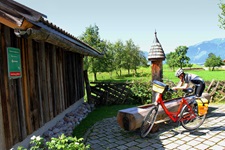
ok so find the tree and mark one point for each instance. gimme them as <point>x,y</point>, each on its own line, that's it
<point>171,60</point>
<point>222,16</point>
<point>127,59</point>
<point>213,61</point>
<point>92,38</point>
<point>116,56</point>
<point>178,58</point>
<point>181,57</point>
<point>109,62</point>
<point>119,53</point>
<point>132,57</point>
<point>190,65</point>
<point>138,58</point>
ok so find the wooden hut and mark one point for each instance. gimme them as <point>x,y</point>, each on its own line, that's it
<point>41,71</point>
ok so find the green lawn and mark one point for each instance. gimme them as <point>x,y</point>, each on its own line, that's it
<point>97,115</point>
<point>144,74</point>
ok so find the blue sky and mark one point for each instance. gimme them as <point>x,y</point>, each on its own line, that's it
<point>177,22</point>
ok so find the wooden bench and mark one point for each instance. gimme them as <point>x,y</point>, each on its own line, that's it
<point>130,119</point>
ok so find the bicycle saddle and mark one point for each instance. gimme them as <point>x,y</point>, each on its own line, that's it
<point>188,90</point>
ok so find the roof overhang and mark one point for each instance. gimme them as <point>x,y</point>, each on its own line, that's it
<point>29,23</point>
<point>57,39</point>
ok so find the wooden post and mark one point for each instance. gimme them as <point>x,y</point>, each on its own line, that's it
<point>156,56</point>
<point>157,70</point>
<point>88,88</point>
<point>157,74</point>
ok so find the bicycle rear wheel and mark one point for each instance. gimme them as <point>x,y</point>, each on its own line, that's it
<point>148,122</point>
<point>190,119</point>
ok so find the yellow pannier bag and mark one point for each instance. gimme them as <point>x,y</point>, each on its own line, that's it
<point>202,106</point>
<point>159,87</point>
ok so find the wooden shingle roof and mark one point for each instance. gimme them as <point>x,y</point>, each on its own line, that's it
<point>156,51</point>
<point>33,24</point>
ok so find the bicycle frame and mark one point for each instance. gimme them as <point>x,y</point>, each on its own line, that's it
<point>172,115</point>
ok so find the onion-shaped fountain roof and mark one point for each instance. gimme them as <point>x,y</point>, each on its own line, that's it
<point>156,51</point>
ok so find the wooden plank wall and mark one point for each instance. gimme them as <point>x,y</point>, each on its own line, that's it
<point>52,80</point>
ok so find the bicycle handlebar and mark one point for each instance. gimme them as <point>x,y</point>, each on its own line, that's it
<point>171,90</point>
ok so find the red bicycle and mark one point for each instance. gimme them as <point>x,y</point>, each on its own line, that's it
<point>187,113</point>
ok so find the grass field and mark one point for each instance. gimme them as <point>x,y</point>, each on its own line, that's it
<point>144,74</point>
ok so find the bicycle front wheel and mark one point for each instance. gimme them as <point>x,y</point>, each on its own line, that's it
<point>190,119</point>
<point>148,122</point>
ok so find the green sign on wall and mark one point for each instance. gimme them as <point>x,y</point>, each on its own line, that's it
<point>14,63</point>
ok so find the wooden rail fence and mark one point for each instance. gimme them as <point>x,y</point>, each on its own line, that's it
<point>216,89</point>
<point>108,93</point>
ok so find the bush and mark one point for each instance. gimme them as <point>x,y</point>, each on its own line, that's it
<point>60,143</point>
<point>142,91</point>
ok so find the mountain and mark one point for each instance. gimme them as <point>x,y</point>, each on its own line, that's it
<point>198,53</point>
<point>145,54</point>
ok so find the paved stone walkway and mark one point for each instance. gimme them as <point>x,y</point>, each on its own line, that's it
<point>108,135</point>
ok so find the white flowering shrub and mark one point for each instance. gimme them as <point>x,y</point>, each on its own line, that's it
<point>60,143</point>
